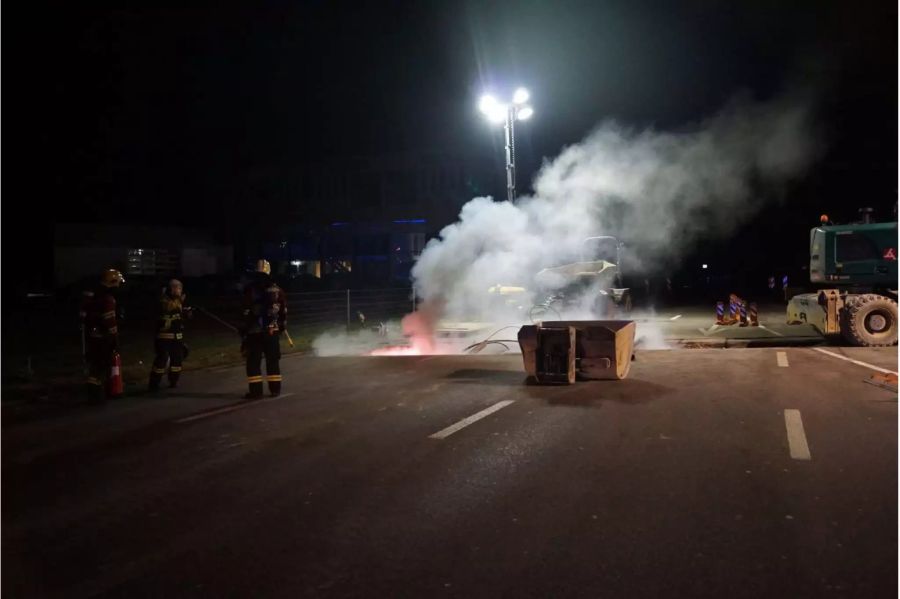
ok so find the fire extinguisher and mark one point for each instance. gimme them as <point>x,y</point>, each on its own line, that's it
<point>116,387</point>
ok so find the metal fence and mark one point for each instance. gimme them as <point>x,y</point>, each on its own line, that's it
<point>34,323</point>
<point>348,307</point>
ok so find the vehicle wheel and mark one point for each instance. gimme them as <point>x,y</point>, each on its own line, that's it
<point>871,320</point>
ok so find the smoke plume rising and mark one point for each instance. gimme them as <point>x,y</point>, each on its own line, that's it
<point>659,192</point>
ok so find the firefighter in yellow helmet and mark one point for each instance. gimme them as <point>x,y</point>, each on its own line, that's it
<point>264,318</point>
<point>169,342</point>
<point>101,331</point>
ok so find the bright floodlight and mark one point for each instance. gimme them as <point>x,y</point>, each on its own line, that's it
<point>520,96</point>
<point>487,104</point>
<point>493,110</point>
<point>705,266</point>
<point>498,113</point>
<point>525,113</point>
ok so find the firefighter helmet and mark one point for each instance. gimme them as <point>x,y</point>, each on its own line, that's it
<point>112,278</point>
<point>263,266</point>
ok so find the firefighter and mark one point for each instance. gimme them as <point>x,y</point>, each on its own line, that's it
<point>169,342</point>
<point>264,319</point>
<point>101,332</point>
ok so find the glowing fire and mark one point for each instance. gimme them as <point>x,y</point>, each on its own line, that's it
<point>418,327</point>
<point>396,350</point>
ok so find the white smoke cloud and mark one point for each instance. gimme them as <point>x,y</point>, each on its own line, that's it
<point>659,192</point>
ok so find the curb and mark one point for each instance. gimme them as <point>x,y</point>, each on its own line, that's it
<point>725,343</point>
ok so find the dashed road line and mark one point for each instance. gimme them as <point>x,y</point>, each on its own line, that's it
<point>444,433</point>
<point>230,408</point>
<point>676,317</point>
<point>781,357</point>
<point>797,444</point>
<point>857,362</point>
<point>764,327</point>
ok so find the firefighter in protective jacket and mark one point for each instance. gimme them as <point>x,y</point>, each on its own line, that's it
<point>264,319</point>
<point>101,331</point>
<point>169,342</point>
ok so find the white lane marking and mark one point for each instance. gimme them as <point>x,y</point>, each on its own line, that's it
<point>713,329</point>
<point>231,408</point>
<point>443,434</point>
<point>675,317</point>
<point>762,326</point>
<point>857,362</point>
<point>782,359</point>
<point>796,437</point>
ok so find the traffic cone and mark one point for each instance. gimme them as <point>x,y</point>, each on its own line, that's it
<point>743,308</point>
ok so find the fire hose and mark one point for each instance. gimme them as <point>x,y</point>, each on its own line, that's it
<point>477,347</point>
<point>236,330</point>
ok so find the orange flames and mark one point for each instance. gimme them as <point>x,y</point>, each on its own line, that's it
<point>418,327</point>
<point>396,350</point>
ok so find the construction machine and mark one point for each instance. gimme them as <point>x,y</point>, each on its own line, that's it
<point>855,268</point>
<point>593,284</point>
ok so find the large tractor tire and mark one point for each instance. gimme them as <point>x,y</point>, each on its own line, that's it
<point>870,320</point>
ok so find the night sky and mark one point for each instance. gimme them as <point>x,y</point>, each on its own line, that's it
<point>121,113</point>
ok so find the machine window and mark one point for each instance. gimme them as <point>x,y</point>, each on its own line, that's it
<point>855,247</point>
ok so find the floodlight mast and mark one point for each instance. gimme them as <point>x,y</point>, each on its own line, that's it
<point>508,114</point>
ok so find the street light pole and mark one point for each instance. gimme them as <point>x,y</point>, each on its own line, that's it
<point>510,153</point>
<point>508,114</point>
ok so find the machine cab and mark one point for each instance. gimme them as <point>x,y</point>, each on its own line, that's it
<point>861,254</point>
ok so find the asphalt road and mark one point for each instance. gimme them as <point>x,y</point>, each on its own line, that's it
<point>707,473</point>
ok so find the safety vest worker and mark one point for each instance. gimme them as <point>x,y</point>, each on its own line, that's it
<point>264,318</point>
<point>169,342</point>
<point>101,332</point>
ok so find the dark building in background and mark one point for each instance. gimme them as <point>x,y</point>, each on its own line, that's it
<point>343,254</point>
<point>362,221</point>
<point>390,187</point>
<point>83,251</point>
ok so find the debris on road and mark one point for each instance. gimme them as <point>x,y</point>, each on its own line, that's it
<point>884,380</point>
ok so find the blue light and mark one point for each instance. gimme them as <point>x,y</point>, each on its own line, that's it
<point>339,224</point>
<point>411,221</point>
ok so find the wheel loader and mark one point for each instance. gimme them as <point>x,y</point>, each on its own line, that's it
<point>855,268</point>
<point>593,284</point>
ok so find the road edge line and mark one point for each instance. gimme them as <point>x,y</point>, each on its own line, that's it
<point>857,362</point>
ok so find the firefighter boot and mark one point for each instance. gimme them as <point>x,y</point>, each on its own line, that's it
<point>274,381</point>
<point>155,377</point>
<point>95,392</point>
<point>254,366</point>
<point>174,374</point>
<point>256,387</point>
<point>176,355</point>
